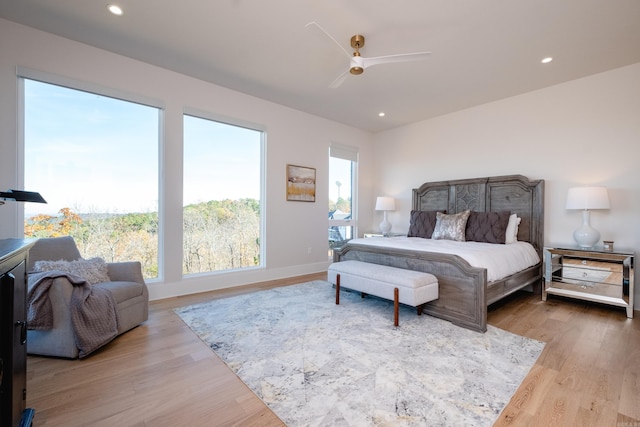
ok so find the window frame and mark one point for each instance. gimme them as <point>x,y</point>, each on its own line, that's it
<point>205,115</point>
<point>24,73</point>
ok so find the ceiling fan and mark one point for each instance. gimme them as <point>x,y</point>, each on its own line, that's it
<point>359,63</point>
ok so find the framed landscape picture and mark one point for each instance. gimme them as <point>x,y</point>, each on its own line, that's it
<point>301,184</point>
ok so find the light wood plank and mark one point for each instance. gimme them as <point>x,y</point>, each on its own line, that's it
<point>162,374</point>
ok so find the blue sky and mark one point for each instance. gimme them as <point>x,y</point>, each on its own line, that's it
<point>93,153</point>
<point>340,171</point>
<point>221,161</point>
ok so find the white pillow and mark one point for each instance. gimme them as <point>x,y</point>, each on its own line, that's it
<point>93,270</point>
<point>511,235</point>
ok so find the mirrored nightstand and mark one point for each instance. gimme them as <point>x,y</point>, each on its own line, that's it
<point>367,235</point>
<point>593,274</point>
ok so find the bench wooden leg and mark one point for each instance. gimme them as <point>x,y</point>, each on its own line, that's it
<point>420,309</point>
<point>396,304</point>
<point>337,289</point>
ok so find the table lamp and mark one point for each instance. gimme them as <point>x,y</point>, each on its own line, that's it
<point>385,204</point>
<point>586,198</point>
<point>21,196</point>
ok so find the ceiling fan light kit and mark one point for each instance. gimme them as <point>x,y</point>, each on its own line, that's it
<point>357,42</point>
<point>357,63</point>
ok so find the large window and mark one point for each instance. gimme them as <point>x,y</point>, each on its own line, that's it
<point>343,163</point>
<point>222,187</point>
<point>94,159</point>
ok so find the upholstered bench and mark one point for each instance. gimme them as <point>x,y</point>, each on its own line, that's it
<point>399,285</point>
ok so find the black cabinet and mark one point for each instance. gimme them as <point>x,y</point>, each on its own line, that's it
<point>13,333</point>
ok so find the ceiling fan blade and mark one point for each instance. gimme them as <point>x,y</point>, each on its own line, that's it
<point>388,59</point>
<point>314,26</point>
<point>341,78</point>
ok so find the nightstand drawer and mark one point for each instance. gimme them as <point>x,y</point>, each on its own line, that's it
<point>589,275</point>
<point>593,264</point>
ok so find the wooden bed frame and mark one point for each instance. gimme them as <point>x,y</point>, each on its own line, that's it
<point>464,291</point>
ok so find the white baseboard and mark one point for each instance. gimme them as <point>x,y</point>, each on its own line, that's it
<point>214,281</point>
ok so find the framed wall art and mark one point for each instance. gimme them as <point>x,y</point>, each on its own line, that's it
<point>301,184</point>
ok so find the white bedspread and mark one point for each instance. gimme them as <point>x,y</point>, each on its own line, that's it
<point>499,260</point>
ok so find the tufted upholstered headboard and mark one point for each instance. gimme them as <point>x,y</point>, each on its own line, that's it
<point>514,193</point>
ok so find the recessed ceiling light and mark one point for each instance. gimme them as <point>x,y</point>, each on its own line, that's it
<point>381,114</point>
<point>115,9</point>
<point>547,60</point>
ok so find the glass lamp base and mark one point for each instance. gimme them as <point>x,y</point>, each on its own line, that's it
<point>385,225</point>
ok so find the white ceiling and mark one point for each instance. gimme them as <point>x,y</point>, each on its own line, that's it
<point>482,50</point>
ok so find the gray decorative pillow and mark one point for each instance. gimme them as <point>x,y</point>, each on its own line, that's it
<point>487,227</point>
<point>422,223</point>
<point>451,226</point>
<point>93,270</point>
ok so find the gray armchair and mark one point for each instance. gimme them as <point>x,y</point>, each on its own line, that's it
<point>127,287</point>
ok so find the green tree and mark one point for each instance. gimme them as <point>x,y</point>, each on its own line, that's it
<point>217,235</point>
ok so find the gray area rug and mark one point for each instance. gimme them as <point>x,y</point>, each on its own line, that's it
<point>318,364</point>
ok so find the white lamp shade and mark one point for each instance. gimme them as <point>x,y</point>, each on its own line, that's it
<point>588,198</point>
<point>385,204</point>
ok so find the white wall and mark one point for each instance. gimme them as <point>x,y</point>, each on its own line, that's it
<point>292,137</point>
<point>586,131</point>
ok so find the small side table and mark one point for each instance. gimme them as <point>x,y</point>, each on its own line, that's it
<point>593,274</point>
<point>367,235</point>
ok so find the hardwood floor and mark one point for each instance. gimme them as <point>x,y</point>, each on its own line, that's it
<point>589,371</point>
<point>161,374</point>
